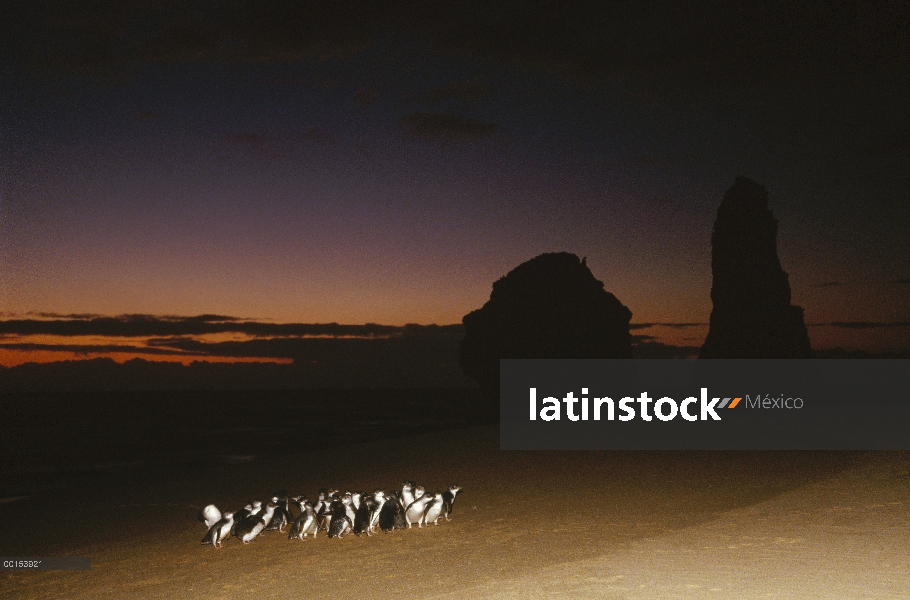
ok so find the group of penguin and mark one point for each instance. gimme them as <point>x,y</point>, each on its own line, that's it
<point>355,512</point>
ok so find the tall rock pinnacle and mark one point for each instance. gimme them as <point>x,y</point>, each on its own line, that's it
<point>752,315</point>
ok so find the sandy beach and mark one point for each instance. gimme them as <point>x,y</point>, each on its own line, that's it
<point>529,524</point>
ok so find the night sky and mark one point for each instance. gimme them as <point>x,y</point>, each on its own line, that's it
<point>337,162</point>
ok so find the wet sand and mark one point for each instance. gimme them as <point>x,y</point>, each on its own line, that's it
<point>529,524</point>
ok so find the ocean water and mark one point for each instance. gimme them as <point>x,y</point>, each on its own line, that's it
<point>54,442</point>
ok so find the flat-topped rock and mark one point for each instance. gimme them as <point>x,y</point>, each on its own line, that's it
<point>551,306</point>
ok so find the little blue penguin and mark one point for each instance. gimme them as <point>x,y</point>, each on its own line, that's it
<point>415,511</point>
<point>220,531</point>
<point>362,513</point>
<point>305,524</point>
<point>324,514</point>
<point>348,501</point>
<point>407,493</point>
<point>320,499</point>
<point>240,515</point>
<point>282,515</point>
<point>448,500</point>
<point>340,522</point>
<point>255,512</point>
<point>418,493</point>
<point>434,509</point>
<point>391,516</point>
<point>254,524</point>
<point>379,500</point>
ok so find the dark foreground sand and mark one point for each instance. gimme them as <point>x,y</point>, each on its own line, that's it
<point>529,525</point>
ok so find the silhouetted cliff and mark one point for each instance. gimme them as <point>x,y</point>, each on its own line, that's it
<point>549,307</point>
<point>752,315</point>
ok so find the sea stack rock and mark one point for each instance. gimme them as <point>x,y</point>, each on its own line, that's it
<point>549,307</point>
<point>752,315</point>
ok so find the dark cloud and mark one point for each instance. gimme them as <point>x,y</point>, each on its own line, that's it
<point>340,348</point>
<point>98,349</point>
<point>446,125</point>
<point>300,349</point>
<point>901,281</point>
<point>652,349</point>
<point>422,367</point>
<point>840,353</point>
<point>172,326</point>
<point>206,318</point>
<point>829,284</point>
<point>52,315</point>
<point>410,356</point>
<point>456,90</point>
<point>128,318</point>
<point>146,115</point>
<point>633,326</point>
<point>866,324</point>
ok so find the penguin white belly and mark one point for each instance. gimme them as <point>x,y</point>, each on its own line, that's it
<point>415,511</point>
<point>433,512</point>
<point>250,535</point>
<point>260,525</point>
<point>227,526</point>
<point>303,526</point>
<point>311,526</point>
<point>374,516</point>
